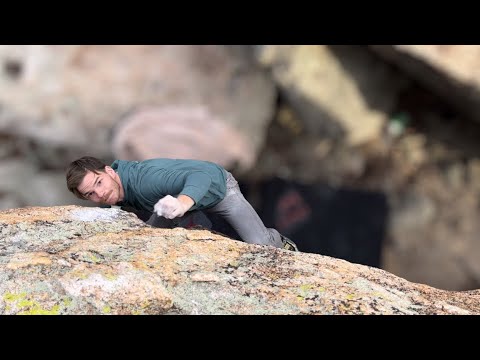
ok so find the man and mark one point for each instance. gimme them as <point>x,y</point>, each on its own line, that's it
<point>170,188</point>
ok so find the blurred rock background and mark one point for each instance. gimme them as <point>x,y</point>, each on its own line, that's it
<point>368,153</point>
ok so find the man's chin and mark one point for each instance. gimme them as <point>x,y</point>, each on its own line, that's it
<point>112,201</point>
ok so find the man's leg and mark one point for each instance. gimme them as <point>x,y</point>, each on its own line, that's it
<point>160,222</point>
<point>143,215</point>
<point>243,217</point>
<point>190,220</point>
<point>193,219</point>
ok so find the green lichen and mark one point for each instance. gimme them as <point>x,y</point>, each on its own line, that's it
<point>35,309</point>
<point>79,274</point>
<point>306,287</point>
<point>95,258</point>
<point>28,306</point>
<point>304,290</point>
<point>25,303</point>
<point>235,264</point>
<point>107,309</point>
<point>110,277</point>
<point>10,297</point>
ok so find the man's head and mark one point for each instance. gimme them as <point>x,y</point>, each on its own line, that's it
<point>91,179</point>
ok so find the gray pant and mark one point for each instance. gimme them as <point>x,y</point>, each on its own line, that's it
<point>238,212</point>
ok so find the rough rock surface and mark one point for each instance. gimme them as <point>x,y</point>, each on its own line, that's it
<point>76,260</point>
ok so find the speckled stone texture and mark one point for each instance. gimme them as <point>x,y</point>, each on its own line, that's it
<point>79,260</point>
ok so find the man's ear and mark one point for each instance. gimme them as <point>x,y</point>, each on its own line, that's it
<point>109,171</point>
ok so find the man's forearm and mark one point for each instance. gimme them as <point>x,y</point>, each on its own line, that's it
<point>186,201</point>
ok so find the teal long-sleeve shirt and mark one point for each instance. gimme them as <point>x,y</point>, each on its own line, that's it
<point>146,182</point>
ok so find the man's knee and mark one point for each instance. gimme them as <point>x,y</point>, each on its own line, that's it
<point>160,222</point>
<point>189,220</point>
<point>194,219</point>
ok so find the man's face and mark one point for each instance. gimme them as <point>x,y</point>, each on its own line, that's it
<point>100,188</point>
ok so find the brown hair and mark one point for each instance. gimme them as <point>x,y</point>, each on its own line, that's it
<point>77,170</point>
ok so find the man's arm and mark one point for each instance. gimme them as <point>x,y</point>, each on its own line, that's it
<point>189,188</point>
<point>186,201</point>
<point>196,185</point>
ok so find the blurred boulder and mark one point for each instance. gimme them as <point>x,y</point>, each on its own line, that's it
<point>70,96</point>
<point>181,132</point>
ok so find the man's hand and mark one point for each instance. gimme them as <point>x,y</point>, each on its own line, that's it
<point>170,207</point>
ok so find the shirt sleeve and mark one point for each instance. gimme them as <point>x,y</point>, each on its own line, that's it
<point>196,185</point>
<point>157,184</point>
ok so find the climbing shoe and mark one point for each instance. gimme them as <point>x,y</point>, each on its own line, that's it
<point>289,244</point>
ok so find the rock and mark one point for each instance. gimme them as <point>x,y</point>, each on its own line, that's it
<point>338,91</point>
<point>450,71</point>
<point>69,97</point>
<point>75,260</point>
<point>181,133</point>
